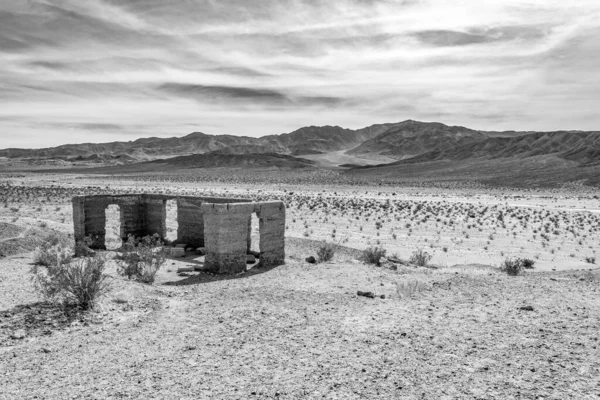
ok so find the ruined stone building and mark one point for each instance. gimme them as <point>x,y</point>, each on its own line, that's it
<point>221,225</point>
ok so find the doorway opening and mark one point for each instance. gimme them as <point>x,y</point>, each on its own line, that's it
<point>171,220</point>
<point>254,235</point>
<point>112,230</point>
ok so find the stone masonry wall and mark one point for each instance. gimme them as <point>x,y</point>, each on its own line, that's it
<point>226,236</point>
<point>221,225</point>
<point>272,233</point>
<point>156,215</point>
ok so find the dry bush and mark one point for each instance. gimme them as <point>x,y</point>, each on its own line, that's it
<point>82,247</point>
<point>420,258</point>
<point>373,255</point>
<point>79,282</point>
<point>406,289</point>
<point>325,253</point>
<point>142,258</point>
<point>515,266</point>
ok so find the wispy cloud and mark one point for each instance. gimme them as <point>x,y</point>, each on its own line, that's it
<point>95,70</point>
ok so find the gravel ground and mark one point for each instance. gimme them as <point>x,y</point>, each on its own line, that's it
<point>300,331</point>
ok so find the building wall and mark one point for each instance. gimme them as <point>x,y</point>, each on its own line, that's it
<point>272,233</point>
<point>226,236</point>
<point>221,225</point>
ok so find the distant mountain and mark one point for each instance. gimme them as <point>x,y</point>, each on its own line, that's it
<point>411,138</point>
<point>418,146</point>
<point>308,140</point>
<point>548,159</point>
<point>580,147</point>
<point>219,160</point>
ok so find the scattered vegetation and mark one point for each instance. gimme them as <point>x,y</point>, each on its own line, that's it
<point>406,289</point>
<point>82,247</point>
<point>72,282</point>
<point>325,253</point>
<point>420,258</point>
<point>515,266</point>
<point>373,255</point>
<point>54,249</point>
<point>142,258</point>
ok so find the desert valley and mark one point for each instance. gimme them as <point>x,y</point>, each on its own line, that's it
<point>437,314</point>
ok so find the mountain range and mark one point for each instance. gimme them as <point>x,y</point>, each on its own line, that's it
<point>405,148</point>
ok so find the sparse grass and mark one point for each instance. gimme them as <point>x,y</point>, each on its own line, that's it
<point>408,288</point>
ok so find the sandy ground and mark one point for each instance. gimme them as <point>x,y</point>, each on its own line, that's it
<point>559,231</point>
<point>300,331</point>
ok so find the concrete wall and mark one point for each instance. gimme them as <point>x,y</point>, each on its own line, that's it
<point>156,215</point>
<point>271,217</point>
<point>89,217</point>
<point>221,225</point>
<point>226,236</point>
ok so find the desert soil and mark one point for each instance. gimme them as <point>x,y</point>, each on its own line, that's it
<point>300,330</point>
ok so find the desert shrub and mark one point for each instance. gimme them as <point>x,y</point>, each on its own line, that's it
<point>82,247</point>
<point>407,289</point>
<point>527,263</point>
<point>516,266</point>
<point>78,282</point>
<point>420,258</point>
<point>325,253</point>
<point>590,260</point>
<point>373,255</point>
<point>512,267</point>
<point>142,258</point>
<point>47,255</point>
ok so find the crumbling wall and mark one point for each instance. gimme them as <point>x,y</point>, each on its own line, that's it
<point>221,225</point>
<point>226,236</point>
<point>272,233</point>
<point>89,217</point>
<point>156,215</point>
<point>190,222</point>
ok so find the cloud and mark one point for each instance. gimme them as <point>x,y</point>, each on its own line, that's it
<point>479,35</point>
<point>208,93</point>
<point>150,67</point>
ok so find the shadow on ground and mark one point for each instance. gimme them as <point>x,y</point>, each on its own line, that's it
<point>36,319</point>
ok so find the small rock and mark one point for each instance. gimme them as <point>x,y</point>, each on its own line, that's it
<point>19,334</point>
<point>200,251</point>
<point>382,296</point>
<point>370,295</point>
<point>526,308</point>
<point>45,350</point>
<point>250,259</point>
<point>310,260</point>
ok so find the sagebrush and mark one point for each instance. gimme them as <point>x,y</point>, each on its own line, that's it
<point>515,266</point>
<point>79,282</point>
<point>420,258</point>
<point>373,255</point>
<point>142,258</point>
<point>325,253</point>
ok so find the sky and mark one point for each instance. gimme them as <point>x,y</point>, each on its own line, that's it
<point>74,71</point>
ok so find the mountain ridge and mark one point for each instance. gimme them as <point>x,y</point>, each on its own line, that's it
<point>407,142</point>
